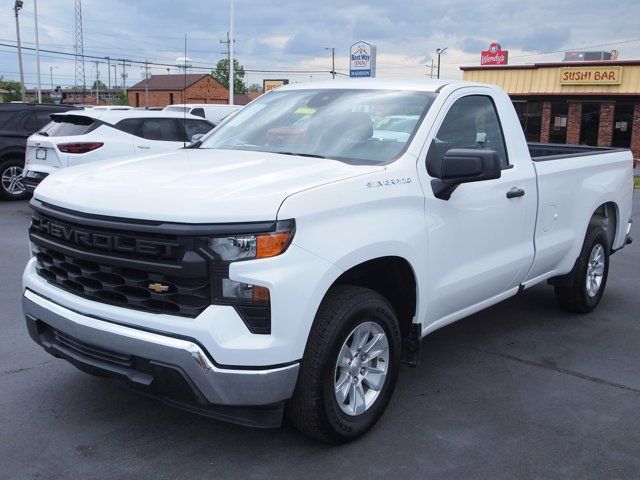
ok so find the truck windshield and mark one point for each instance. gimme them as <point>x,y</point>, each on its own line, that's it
<point>330,123</point>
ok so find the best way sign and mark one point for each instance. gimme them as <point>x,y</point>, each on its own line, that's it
<point>363,60</point>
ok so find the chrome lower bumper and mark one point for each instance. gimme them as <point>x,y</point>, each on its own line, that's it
<point>93,337</point>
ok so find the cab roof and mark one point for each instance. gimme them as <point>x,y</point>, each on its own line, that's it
<point>414,84</point>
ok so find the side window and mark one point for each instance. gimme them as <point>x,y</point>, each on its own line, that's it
<point>5,117</point>
<point>198,112</point>
<point>193,127</point>
<point>165,129</point>
<point>130,125</point>
<point>471,122</point>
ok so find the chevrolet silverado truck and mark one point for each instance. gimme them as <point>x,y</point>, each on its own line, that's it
<point>253,276</point>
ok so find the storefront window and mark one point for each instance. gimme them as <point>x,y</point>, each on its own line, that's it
<point>590,124</point>
<point>530,115</point>
<point>558,127</point>
<point>622,121</point>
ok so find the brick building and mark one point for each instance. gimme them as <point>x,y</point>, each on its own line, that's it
<point>590,103</point>
<point>163,90</point>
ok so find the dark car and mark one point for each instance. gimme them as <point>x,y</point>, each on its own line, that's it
<point>17,122</point>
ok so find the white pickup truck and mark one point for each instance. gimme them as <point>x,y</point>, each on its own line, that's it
<point>290,260</point>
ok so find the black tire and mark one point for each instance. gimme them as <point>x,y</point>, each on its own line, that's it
<point>314,409</point>
<point>575,297</point>
<point>5,170</point>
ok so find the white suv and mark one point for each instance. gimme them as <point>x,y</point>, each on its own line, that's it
<point>91,135</point>
<point>215,113</point>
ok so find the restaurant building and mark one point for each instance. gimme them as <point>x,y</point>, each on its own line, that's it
<point>589,103</point>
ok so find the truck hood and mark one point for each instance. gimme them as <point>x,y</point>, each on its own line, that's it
<point>192,185</point>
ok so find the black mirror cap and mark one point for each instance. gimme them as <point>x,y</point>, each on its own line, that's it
<point>465,165</point>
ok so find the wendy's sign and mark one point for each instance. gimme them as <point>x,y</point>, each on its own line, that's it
<point>494,56</point>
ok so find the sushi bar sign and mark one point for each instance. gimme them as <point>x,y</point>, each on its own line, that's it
<point>494,56</point>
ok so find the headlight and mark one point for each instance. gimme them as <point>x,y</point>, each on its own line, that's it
<point>252,302</point>
<point>247,247</point>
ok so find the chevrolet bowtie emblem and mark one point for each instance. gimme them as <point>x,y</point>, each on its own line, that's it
<point>158,287</point>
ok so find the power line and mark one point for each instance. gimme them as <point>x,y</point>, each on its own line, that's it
<point>103,59</point>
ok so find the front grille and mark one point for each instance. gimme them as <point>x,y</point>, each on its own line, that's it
<point>122,286</point>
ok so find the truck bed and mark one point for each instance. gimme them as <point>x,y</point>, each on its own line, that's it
<point>541,152</point>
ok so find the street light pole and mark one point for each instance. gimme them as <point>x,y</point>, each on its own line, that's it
<point>439,52</point>
<point>35,16</point>
<point>333,61</point>
<point>16,8</point>
<point>231,78</point>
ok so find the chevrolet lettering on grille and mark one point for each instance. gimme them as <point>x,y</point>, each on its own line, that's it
<point>103,241</point>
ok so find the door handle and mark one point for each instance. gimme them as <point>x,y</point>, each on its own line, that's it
<point>143,146</point>
<point>515,192</point>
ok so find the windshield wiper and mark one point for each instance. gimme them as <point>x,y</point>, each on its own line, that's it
<point>195,144</point>
<point>312,155</point>
<point>44,134</point>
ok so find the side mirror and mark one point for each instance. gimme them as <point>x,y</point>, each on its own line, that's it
<point>464,165</point>
<point>196,137</point>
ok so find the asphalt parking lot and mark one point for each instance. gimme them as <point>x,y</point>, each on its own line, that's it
<point>521,390</point>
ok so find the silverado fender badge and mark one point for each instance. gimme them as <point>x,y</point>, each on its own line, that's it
<point>387,183</point>
<point>158,287</point>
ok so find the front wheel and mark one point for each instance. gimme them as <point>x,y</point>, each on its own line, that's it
<point>350,366</point>
<point>590,274</point>
<point>11,186</point>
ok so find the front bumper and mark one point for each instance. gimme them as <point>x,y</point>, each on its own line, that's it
<point>178,370</point>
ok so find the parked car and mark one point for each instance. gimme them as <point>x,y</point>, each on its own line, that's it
<point>81,137</point>
<point>215,113</point>
<point>245,281</point>
<point>17,122</point>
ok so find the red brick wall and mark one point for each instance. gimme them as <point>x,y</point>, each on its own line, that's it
<point>605,129</point>
<point>635,132</point>
<point>546,122</point>
<point>206,90</point>
<point>574,119</point>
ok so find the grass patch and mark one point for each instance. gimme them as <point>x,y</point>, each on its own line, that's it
<point>636,183</point>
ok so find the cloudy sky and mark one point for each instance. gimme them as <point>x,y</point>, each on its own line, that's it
<point>291,36</point>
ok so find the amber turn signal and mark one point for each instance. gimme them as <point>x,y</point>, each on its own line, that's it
<point>272,244</point>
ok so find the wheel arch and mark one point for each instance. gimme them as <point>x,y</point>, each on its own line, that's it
<point>391,276</point>
<point>606,216</point>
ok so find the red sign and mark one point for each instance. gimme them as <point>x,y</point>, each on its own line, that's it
<point>494,56</point>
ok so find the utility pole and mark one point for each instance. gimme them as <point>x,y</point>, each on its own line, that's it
<point>439,52</point>
<point>16,8</point>
<point>231,77</point>
<point>35,13</point>
<point>431,68</point>
<point>333,61</point>
<point>146,84</point>
<point>108,81</point>
<point>97,82</point>
<point>124,73</point>
<point>227,42</point>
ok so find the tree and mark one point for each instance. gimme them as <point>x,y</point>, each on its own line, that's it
<point>122,98</point>
<point>254,87</point>
<point>13,88</point>
<point>98,84</point>
<point>221,73</point>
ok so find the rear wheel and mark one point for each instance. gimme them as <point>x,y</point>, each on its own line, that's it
<point>350,366</point>
<point>589,276</point>
<point>11,186</point>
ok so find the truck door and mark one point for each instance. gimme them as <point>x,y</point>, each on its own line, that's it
<point>480,241</point>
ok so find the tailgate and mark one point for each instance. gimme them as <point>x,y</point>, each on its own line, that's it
<point>42,152</point>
